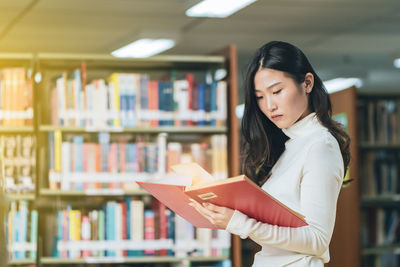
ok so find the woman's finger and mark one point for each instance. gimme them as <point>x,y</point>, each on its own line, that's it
<point>203,212</point>
<point>213,207</point>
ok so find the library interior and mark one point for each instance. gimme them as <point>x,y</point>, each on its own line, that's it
<point>114,115</point>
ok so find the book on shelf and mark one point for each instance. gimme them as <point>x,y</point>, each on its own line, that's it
<point>21,231</point>
<point>379,120</point>
<point>133,99</point>
<point>104,161</point>
<point>130,229</point>
<point>239,193</point>
<point>18,153</point>
<point>380,227</point>
<point>381,173</point>
<point>16,98</point>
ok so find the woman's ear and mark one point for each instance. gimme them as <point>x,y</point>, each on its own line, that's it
<point>308,82</point>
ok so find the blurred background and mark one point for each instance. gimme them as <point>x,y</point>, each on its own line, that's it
<point>57,54</point>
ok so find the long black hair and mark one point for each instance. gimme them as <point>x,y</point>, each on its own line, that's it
<point>263,142</point>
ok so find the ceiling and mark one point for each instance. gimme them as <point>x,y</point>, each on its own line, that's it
<point>346,38</point>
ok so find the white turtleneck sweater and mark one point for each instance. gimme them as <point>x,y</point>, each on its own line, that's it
<point>307,178</point>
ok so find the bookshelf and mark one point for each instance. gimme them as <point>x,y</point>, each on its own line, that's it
<point>379,131</point>
<point>17,160</point>
<point>370,210</point>
<point>345,243</point>
<point>47,201</point>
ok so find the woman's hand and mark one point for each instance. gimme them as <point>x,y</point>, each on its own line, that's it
<point>219,216</point>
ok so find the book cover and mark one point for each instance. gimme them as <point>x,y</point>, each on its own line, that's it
<point>239,193</point>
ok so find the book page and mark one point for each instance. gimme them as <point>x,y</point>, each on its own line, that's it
<point>173,179</point>
<point>195,171</point>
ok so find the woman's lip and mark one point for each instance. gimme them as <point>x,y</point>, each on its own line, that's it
<point>276,117</point>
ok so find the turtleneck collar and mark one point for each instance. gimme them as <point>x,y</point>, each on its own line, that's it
<point>303,127</point>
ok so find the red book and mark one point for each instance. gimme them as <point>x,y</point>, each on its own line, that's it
<point>239,193</point>
<point>153,101</point>
<point>163,226</point>
<point>149,232</point>
<point>124,226</point>
<point>160,224</point>
<point>113,163</point>
<point>97,149</point>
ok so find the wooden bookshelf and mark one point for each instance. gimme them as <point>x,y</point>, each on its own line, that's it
<point>378,250</point>
<point>377,146</point>
<point>98,192</point>
<point>20,196</point>
<point>138,130</point>
<point>54,63</point>
<point>21,262</point>
<point>61,61</point>
<point>149,259</point>
<point>345,244</point>
<point>20,129</point>
<point>11,61</point>
<point>385,200</point>
<point>370,127</point>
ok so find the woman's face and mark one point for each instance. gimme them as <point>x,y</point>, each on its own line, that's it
<point>280,98</point>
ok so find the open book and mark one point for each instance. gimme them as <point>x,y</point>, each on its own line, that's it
<point>238,193</point>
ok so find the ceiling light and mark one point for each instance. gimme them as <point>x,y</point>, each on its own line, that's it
<point>144,48</point>
<point>217,8</point>
<point>396,63</point>
<point>339,84</point>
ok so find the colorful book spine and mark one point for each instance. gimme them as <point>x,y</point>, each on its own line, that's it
<point>153,103</point>
<point>21,231</point>
<point>149,231</point>
<point>201,104</point>
<point>74,217</point>
<point>101,230</point>
<point>87,165</point>
<point>132,99</point>
<point>16,93</point>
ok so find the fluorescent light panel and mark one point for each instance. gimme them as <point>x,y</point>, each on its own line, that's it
<point>339,84</point>
<point>144,48</point>
<point>217,8</point>
<point>396,63</point>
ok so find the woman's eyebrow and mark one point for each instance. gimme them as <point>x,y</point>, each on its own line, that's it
<point>274,84</point>
<point>269,87</point>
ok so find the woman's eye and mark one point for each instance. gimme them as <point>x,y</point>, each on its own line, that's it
<point>277,92</point>
<point>259,97</point>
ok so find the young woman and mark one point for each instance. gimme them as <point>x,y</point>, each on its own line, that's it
<point>294,151</point>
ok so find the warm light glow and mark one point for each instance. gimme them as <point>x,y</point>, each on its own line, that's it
<point>144,48</point>
<point>339,84</point>
<point>239,111</point>
<point>217,8</point>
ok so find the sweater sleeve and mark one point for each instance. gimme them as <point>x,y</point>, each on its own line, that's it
<point>322,177</point>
